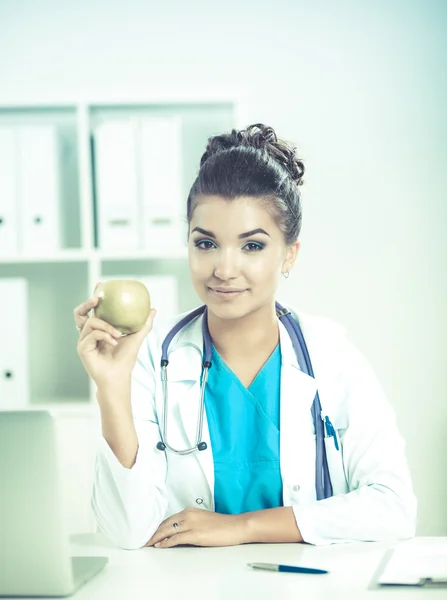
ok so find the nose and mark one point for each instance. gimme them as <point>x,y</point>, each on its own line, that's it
<point>226,265</point>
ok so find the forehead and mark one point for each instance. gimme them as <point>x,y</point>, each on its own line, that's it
<point>242,213</point>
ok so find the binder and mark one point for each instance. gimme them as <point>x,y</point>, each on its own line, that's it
<point>9,241</point>
<point>163,290</point>
<point>416,563</point>
<point>116,185</point>
<point>39,189</point>
<point>162,202</point>
<point>14,347</point>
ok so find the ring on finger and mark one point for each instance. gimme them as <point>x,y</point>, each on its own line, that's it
<point>176,526</point>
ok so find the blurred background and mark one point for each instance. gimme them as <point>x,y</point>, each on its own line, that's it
<point>91,91</point>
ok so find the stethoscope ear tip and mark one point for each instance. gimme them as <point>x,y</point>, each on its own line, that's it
<point>161,446</point>
<point>202,446</point>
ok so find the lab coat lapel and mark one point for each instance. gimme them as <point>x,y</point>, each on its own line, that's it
<point>297,429</point>
<point>187,355</point>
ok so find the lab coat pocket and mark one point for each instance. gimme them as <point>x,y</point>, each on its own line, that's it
<point>335,463</point>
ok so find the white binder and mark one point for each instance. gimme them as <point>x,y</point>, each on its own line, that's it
<point>116,185</point>
<point>9,241</point>
<point>162,202</point>
<point>163,290</point>
<point>39,189</point>
<point>14,347</point>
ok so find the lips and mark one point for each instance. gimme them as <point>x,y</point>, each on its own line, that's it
<point>226,294</point>
<point>226,290</point>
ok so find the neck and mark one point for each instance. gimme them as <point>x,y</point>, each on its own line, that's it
<point>245,335</point>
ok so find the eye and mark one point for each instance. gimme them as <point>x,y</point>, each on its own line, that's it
<point>204,244</point>
<point>253,246</point>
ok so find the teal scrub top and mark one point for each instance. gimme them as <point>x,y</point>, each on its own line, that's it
<point>244,432</point>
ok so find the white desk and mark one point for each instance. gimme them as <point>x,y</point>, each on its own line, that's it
<point>221,573</point>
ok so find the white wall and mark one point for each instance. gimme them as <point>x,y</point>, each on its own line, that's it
<point>361,88</point>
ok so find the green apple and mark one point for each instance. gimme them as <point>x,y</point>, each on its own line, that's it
<point>124,303</point>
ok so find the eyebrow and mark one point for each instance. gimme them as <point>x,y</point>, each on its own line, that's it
<point>240,236</point>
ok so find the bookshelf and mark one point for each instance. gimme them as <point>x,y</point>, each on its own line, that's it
<point>58,280</point>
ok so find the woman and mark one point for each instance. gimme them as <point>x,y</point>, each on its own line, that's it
<point>256,479</point>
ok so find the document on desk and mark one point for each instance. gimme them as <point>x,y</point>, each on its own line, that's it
<point>415,563</point>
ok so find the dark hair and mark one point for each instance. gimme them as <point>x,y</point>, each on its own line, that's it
<point>253,162</point>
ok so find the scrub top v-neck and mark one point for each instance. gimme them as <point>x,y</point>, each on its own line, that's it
<point>244,433</point>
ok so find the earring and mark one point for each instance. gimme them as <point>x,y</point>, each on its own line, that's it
<point>286,274</point>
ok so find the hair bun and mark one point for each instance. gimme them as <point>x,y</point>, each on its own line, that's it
<point>263,138</point>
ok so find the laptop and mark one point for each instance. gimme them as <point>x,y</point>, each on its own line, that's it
<point>34,545</point>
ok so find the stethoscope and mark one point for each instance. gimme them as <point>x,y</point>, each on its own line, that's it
<point>322,478</point>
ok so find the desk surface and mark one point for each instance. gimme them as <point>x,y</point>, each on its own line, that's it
<point>222,573</point>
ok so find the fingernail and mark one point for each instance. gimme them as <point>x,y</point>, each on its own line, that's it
<point>157,544</point>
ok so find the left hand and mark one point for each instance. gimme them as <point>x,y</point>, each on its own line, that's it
<point>198,527</point>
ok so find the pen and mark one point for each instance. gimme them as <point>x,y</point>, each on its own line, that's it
<point>286,568</point>
<point>331,432</point>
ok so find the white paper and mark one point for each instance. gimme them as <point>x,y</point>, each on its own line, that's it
<point>411,563</point>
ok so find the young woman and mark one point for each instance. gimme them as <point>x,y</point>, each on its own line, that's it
<point>290,450</point>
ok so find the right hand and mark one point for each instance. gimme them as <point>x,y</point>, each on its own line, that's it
<point>108,357</point>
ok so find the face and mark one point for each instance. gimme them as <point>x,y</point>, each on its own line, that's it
<point>236,255</point>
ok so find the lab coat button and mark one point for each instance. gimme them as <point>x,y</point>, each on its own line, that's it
<point>199,500</point>
<point>296,488</point>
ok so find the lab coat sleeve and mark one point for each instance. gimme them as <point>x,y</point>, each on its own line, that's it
<point>129,504</point>
<point>380,504</point>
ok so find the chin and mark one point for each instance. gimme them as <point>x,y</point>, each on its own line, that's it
<point>229,310</point>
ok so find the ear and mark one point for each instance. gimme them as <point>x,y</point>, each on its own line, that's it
<point>291,255</point>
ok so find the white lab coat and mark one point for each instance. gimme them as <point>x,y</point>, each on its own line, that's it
<point>373,498</point>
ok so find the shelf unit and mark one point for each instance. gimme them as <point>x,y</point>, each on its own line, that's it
<point>61,280</point>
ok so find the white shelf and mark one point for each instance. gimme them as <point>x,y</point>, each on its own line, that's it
<point>62,407</point>
<point>160,95</point>
<point>162,254</point>
<point>61,257</point>
<point>84,255</point>
<point>70,409</point>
